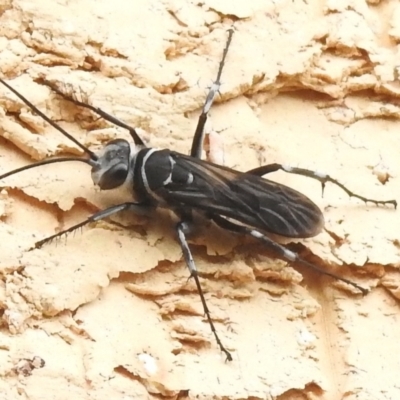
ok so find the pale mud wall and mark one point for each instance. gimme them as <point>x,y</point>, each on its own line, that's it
<point>312,84</point>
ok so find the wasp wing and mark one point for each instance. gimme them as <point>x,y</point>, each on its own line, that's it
<point>247,198</point>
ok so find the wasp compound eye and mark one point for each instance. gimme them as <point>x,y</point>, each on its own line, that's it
<point>114,177</point>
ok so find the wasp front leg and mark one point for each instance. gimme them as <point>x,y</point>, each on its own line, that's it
<point>102,214</point>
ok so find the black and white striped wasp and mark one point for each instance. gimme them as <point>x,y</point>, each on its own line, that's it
<point>244,203</point>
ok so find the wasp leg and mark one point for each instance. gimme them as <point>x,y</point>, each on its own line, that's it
<point>197,144</point>
<point>183,228</point>
<point>137,207</point>
<point>281,250</point>
<point>108,117</point>
<point>323,178</point>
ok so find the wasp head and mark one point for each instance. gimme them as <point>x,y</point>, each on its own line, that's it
<point>112,166</point>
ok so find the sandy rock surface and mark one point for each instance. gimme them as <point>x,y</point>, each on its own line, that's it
<point>109,312</point>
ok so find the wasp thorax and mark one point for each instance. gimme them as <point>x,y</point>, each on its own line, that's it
<point>112,167</point>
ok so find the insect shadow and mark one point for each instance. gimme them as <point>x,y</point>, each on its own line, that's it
<point>244,203</point>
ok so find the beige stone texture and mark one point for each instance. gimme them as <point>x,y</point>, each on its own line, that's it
<point>110,310</point>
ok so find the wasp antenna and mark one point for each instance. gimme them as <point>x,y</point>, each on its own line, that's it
<point>45,162</point>
<point>92,155</point>
<point>108,117</point>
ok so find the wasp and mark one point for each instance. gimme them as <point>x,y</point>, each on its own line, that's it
<point>241,202</point>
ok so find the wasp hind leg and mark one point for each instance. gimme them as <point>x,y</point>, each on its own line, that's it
<point>322,178</point>
<point>279,249</point>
